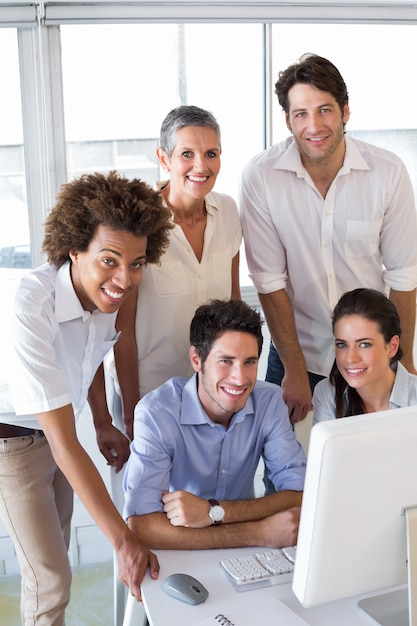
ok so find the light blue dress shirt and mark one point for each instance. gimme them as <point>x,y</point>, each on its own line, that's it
<point>178,447</point>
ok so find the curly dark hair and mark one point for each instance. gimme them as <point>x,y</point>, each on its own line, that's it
<point>218,316</point>
<point>111,200</point>
<point>313,70</point>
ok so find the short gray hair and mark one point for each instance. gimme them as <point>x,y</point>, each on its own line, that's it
<point>182,116</point>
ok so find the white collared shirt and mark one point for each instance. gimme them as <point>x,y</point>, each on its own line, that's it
<point>363,234</point>
<point>58,346</point>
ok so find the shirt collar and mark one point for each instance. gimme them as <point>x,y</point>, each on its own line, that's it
<point>353,157</point>
<point>67,304</point>
<point>290,158</point>
<point>399,394</point>
<point>211,206</point>
<point>192,411</point>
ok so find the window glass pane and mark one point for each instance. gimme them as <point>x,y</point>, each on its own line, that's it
<point>375,62</point>
<point>14,225</point>
<point>120,81</point>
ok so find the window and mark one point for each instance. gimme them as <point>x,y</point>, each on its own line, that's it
<point>121,80</point>
<point>377,72</point>
<point>14,224</point>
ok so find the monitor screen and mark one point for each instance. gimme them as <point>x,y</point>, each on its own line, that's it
<point>361,475</point>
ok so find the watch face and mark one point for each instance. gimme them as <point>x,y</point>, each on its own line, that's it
<point>216,513</point>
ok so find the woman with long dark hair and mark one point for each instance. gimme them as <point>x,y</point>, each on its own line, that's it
<point>367,375</point>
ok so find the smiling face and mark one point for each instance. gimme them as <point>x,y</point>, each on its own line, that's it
<point>194,163</point>
<point>228,375</point>
<point>363,356</point>
<point>109,269</point>
<point>317,124</point>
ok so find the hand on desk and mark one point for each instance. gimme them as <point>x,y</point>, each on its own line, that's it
<point>133,560</point>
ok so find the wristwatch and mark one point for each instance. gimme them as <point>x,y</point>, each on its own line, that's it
<point>216,512</point>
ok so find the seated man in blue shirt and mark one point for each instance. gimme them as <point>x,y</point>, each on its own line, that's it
<point>198,442</point>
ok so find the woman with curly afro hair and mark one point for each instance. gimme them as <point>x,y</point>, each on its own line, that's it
<point>100,234</point>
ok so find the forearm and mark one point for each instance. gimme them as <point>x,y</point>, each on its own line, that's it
<point>126,360</point>
<point>295,385</point>
<point>133,558</point>
<point>235,295</point>
<point>405,303</point>
<point>156,531</point>
<point>83,475</point>
<point>97,400</point>
<point>259,508</point>
<point>113,445</point>
<point>88,485</point>
<point>281,324</point>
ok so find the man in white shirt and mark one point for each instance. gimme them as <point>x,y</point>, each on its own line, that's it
<point>322,214</point>
<point>98,237</point>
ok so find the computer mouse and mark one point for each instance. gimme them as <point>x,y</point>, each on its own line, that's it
<point>185,588</point>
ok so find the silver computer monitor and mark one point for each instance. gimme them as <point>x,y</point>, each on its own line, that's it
<point>354,533</point>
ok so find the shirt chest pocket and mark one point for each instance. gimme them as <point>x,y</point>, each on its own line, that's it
<point>169,279</point>
<point>362,238</point>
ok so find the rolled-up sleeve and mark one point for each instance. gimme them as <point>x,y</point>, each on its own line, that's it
<point>283,455</point>
<point>265,254</point>
<point>147,473</point>
<point>399,234</point>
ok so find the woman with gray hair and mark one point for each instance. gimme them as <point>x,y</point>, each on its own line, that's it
<point>201,262</point>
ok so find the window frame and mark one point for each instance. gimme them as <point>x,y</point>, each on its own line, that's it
<point>41,70</point>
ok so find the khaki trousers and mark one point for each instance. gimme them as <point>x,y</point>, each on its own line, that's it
<point>36,503</point>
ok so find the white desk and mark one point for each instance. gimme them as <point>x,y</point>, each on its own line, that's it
<point>205,566</point>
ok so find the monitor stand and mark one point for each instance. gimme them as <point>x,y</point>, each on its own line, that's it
<point>387,609</point>
<point>398,608</point>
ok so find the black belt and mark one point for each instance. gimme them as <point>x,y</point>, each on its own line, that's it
<point>10,430</point>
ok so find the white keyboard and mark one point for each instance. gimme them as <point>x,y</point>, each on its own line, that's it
<point>271,567</point>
